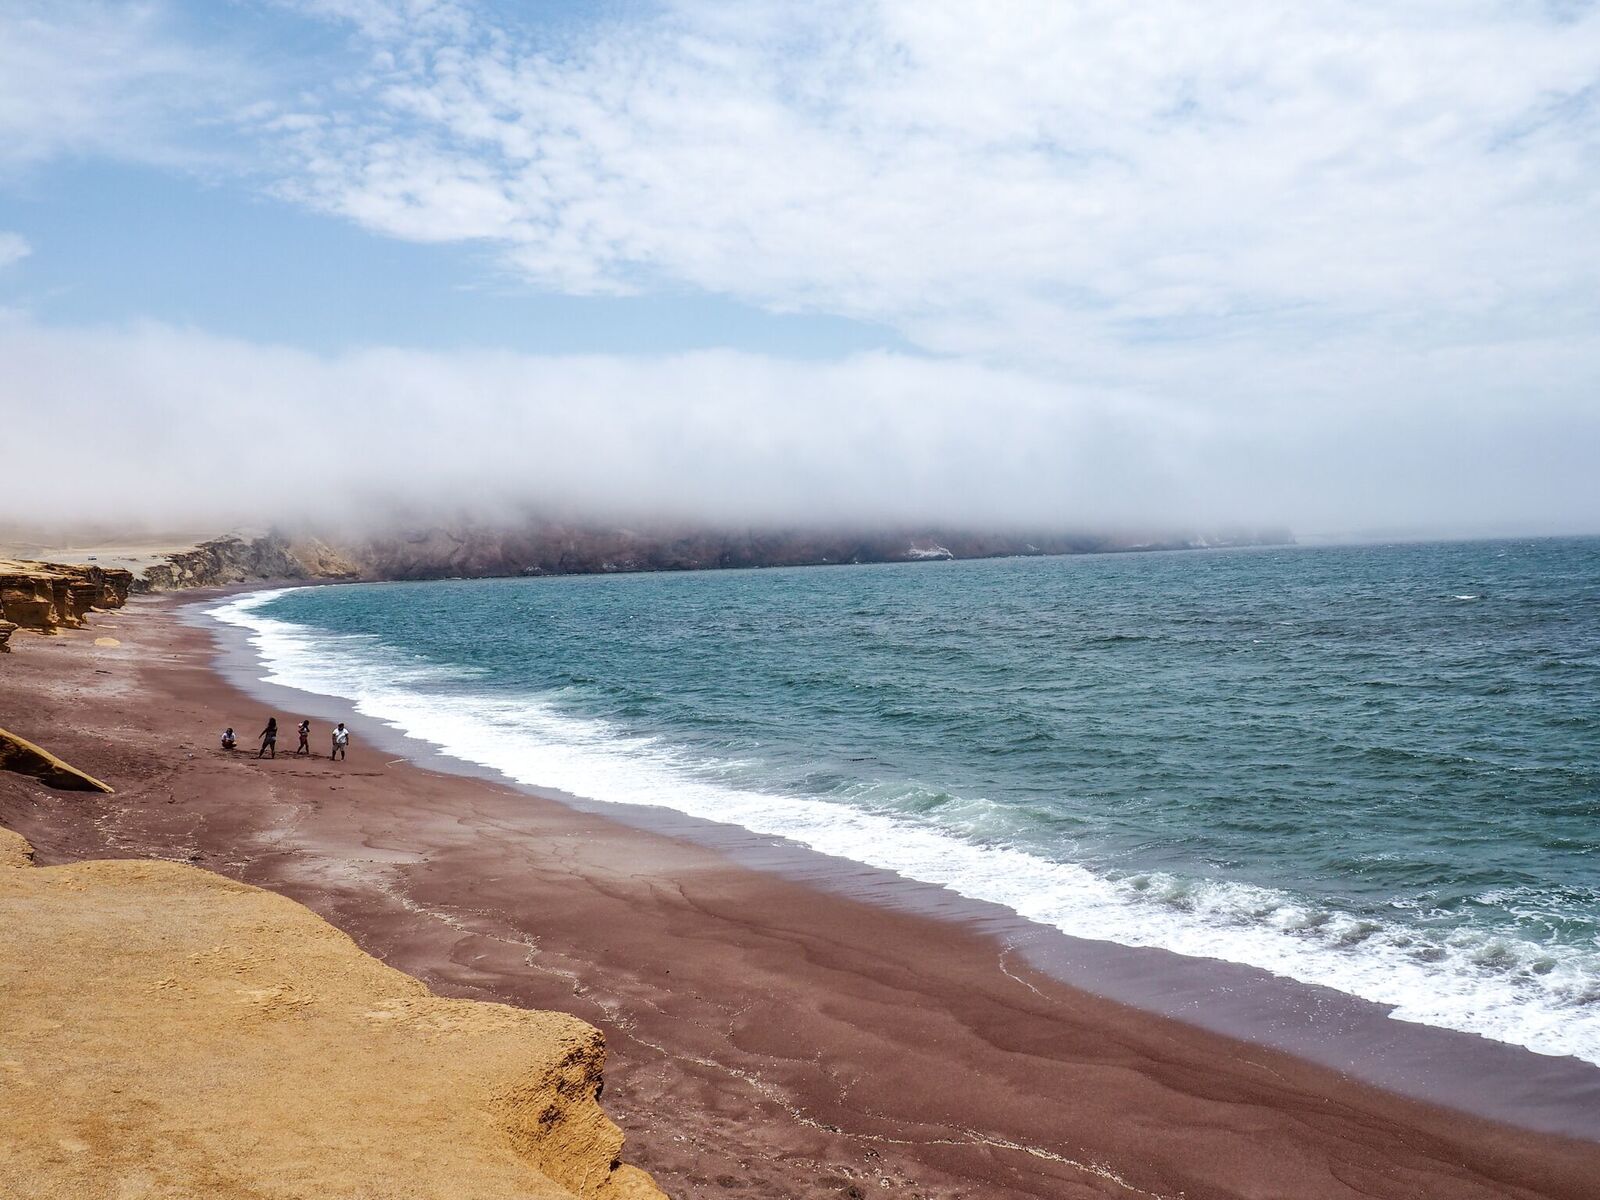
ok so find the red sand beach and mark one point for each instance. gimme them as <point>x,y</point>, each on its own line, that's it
<point>767,1038</point>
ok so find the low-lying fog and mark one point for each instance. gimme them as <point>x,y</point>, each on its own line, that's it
<point>157,426</point>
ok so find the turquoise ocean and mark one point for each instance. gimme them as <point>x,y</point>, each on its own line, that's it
<point>1373,768</point>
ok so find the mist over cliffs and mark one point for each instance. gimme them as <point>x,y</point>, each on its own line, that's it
<point>534,548</point>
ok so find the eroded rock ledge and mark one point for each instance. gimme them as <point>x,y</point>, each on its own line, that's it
<point>171,1032</point>
<point>18,754</point>
<point>49,597</point>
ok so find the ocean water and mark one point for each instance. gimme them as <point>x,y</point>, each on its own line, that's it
<point>1373,768</point>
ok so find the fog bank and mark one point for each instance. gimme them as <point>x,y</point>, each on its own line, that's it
<point>169,427</point>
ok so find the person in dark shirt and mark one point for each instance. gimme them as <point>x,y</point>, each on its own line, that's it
<point>269,738</point>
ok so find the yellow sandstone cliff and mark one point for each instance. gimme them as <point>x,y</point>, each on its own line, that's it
<point>167,1032</point>
<point>49,597</point>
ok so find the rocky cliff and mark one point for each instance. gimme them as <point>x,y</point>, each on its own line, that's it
<point>49,597</point>
<point>234,559</point>
<point>171,1032</point>
<point>547,548</point>
<point>470,550</point>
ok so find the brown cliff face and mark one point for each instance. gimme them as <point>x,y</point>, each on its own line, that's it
<point>552,548</point>
<point>48,597</point>
<point>28,597</point>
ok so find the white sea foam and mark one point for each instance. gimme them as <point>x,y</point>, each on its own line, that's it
<point>1543,997</point>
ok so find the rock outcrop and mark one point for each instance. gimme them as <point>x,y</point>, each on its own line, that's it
<point>49,597</point>
<point>234,559</point>
<point>171,1032</point>
<point>22,756</point>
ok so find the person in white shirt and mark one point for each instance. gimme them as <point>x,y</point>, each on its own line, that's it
<point>341,739</point>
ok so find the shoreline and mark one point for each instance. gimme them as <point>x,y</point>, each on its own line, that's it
<point>1323,1025</point>
<point>810,1038</point>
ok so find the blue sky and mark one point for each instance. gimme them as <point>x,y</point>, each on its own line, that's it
<point>116,242</point>
<point>1061,263</point>
<point>117,237</point>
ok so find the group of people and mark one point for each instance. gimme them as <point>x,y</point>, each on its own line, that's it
<point>269,740</point>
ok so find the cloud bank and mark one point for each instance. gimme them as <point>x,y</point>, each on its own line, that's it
<point>168,425</point>
<point>1048,183</point>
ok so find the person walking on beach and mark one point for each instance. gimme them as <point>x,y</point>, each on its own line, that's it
<point>341,739</point>
<point>269,738</point>
<point>305,739</point>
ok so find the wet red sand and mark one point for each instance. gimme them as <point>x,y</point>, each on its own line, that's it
<point>767,1039</point>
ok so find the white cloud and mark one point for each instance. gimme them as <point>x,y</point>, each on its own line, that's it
<point>95,78</point>
<point>1032,181</point>
<point>215,430</point>
<point>13,248</point>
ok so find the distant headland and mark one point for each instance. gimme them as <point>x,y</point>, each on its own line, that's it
<point>471,549</point>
